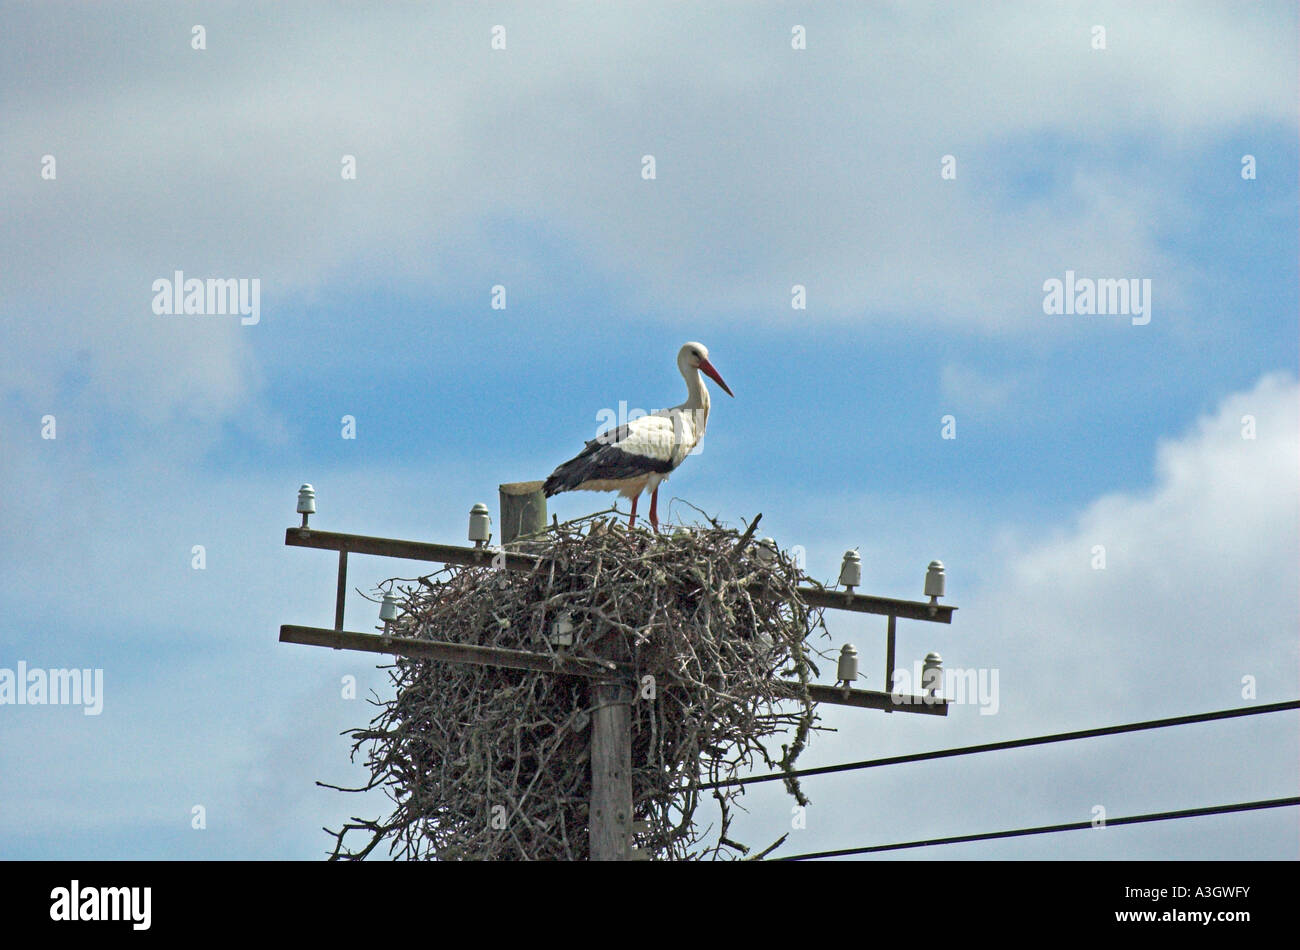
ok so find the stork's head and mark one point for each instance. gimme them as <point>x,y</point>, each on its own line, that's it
<point>696,356</point>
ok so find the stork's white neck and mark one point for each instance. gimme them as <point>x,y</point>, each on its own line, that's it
<point>697,401</point>
<point>697,395</point>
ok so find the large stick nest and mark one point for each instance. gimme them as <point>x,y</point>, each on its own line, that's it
<point>491,763</point>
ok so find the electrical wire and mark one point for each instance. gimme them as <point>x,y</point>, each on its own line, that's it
<point>1051,829</point>
<point>1012,743</point>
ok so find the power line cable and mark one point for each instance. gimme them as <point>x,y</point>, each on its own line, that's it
<point>1012,744</point>
<point>1050,829</point>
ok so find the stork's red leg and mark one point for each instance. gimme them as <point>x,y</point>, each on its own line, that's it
<point>631,522</point>
<point>654,508</point>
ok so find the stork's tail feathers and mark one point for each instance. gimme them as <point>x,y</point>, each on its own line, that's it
<point>564,478</point>
<point>581,467</point>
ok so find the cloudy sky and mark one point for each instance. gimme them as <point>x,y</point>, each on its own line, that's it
<point>1148,142</point>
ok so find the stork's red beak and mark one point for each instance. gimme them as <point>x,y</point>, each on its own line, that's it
<point>707,368</point>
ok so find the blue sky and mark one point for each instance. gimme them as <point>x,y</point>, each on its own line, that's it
<point>774,167</point>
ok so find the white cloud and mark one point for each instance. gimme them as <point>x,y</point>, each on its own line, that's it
<point>1200,589</point>
<point>775,167</point>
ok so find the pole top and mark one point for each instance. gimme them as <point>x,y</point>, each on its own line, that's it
<point>520,488</point>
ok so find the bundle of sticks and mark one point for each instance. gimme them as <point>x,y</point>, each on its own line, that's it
<point>490,763</point>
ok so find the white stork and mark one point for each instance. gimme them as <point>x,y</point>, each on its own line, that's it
<point>639,455</point>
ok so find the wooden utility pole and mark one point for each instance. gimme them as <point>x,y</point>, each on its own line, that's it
<point>609,815</point>
<point>610,818</point>
<point>523,510</point>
